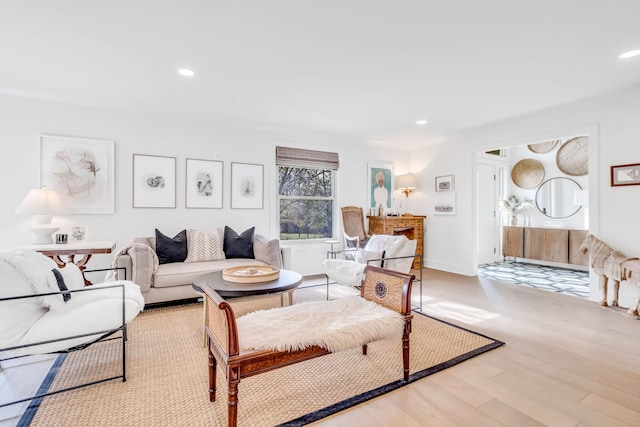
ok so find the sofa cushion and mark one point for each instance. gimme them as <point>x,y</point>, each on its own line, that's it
<point>238,245</point>
<point>205,246</point>
<point>171,249</point>
<point>72,276</point>
<point>175,274</point>
<point>267,251</point>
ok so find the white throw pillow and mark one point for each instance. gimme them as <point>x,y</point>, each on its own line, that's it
<point>364,256</point>
<point>72,276</point>
<point>205,246</point>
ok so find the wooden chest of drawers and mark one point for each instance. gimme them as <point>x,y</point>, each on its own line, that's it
<point>410,226</point>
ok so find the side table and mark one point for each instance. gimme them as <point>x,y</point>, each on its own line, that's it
<point>70,250</point>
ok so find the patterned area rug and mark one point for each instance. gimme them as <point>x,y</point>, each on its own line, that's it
<point>167,379</point>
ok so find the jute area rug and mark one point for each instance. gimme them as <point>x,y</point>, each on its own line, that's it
<point>167,374</point>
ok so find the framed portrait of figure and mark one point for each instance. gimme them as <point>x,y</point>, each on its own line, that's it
<point>154,181</point>
<point>247,187</point>
<point>380,185</point>
<point>203,184</point>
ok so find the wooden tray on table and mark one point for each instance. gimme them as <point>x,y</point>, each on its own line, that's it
<point>251,273</point>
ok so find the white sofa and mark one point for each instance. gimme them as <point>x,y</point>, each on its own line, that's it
<point>173,281</point>
<point>28,317</point>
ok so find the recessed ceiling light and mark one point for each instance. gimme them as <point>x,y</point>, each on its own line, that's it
<point>630,54</point>
<point>421,122</point>
<point>186,72</point>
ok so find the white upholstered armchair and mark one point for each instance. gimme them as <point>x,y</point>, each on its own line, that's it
<point>390,252</point>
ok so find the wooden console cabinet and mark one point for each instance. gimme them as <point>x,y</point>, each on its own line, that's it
<point>410,226</point>
<point>545,244</point>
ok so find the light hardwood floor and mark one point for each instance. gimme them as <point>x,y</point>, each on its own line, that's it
<point>566,362</point>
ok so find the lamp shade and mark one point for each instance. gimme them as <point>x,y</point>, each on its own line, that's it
<point>407,181</point>
<point>40,201</point>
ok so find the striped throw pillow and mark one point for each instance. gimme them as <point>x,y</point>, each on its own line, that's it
<point>205,246</point>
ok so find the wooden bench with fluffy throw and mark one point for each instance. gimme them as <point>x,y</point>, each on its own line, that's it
<point>269,339</point>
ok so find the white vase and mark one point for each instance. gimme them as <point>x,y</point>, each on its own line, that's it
<point>513,220</point>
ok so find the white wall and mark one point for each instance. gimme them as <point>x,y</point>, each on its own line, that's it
<point>614,131</point>
<point>23,120</point>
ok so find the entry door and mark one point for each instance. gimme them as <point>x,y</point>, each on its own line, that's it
<point>488,181</point>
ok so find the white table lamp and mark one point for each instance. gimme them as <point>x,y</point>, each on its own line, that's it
<point>43,204</point>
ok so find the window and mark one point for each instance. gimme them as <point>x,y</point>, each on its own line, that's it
<point>306,193</point>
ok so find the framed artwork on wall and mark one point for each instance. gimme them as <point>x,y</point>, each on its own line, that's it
<point>247,186</point>
<point>625,175</point>
<point>203,180</point>
<point>81,171</point>
<point>154,181</point>
<point>444,204</point>
<point>445,183</point>
<point>380,185</point>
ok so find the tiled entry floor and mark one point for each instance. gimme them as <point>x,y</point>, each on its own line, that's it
<point>560,280</point>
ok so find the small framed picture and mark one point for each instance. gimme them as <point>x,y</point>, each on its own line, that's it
<point>247,186</point>
<point>154,181</point>
<point>625,175</point>
<point>444,204</point>
<point>204,184</point>
<point>445,183</point>
<point>77,233</point>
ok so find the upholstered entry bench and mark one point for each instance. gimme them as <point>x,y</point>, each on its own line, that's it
<point>384,291</point>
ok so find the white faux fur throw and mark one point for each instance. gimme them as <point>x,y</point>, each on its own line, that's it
<point>335,325</point>
<point>34,266</point>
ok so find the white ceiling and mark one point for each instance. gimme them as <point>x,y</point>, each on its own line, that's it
<point>366,68</point>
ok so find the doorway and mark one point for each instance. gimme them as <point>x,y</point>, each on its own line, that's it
<point>489,189</point>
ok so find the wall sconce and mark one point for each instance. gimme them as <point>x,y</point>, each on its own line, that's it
<point>43,204</point>
<point>407,184</point>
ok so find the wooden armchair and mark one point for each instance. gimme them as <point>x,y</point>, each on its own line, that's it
<point>355,235</point>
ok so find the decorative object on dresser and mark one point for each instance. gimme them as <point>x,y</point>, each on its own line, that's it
<point>154,181</point>
<point>513,206</point>
<point>410,226</point>
<point>527,173</point>
<point>407,184</point>
<point>612,265</point>
<point>42,203</point>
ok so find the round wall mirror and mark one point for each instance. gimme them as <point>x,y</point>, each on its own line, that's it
<point>555,197</point>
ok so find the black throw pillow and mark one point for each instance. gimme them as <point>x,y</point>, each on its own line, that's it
<point>171,249</point>
<point>61,285</point>
<point>238,246</point>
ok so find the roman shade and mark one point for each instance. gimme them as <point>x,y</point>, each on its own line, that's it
<point>301,158</point>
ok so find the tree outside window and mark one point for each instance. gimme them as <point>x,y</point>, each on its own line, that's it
<point>306,202</point>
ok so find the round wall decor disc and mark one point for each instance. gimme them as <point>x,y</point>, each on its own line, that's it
<point>543,147</point>
<point>527,173</point>
<point>573,156</point>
